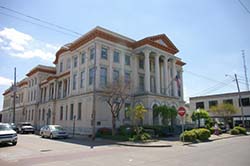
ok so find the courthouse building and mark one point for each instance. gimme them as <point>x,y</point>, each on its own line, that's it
<point>64,93</point>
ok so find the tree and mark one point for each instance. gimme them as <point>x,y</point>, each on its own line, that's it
<point>167,113</point>
<point>201,114</point>
<point>138,115</point>
<point>225,110</point>
<point>117,93</point>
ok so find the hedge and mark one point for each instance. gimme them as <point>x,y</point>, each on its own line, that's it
<point>242,130</point>
<point>188,136</point>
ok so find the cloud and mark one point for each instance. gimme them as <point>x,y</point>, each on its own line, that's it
<point>5,81</point>
<point>18,44</point>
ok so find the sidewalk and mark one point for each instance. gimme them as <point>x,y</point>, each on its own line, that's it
<point>172,141</point>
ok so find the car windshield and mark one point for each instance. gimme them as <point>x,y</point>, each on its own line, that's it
<point>4,127</point>
<point>26,124</point>
<point>57,128</point>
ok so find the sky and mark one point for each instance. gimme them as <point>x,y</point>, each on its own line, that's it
<point>209,34</point>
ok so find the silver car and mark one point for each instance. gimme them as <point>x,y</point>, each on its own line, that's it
<point>7,134</point>
<point>53,131</point>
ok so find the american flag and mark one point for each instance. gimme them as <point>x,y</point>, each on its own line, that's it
<point>178,81</point>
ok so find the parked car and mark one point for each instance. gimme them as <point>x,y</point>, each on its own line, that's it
<point>25,127</point>
<point>7,134</point>
<point>53,131</point>
<point>13,126</point>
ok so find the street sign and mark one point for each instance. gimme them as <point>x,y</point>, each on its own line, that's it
<point>181,111</point>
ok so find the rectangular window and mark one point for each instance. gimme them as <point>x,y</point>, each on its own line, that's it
<point>66,113</point>
<point>61,66</point>
<point>74,81</point>
<point>141,63</point>
<point>104,54</point>
<point>61,113</point>
<point>212,103</point>
<point>43,115</point>
<point>83,58</point>
<point>228,101</point>
<point>141,83</point>
<point>127,60</point>
<point>71,111</point>
<point>245,102</point>
<point>92,53</point>
<point>32,113</point>
<point>103,79</point>
<point>127,77</point>
<point>79,112</point>
<point>82,79</point>
<point>116,57</point>
<point>60,89</point>
<point>127,111</point>
<point>39,115</point>
<point>91,75</point>
<point>200,105</point>
<point>68,63</point>
<point>75,61</point>
<point>115,75</point>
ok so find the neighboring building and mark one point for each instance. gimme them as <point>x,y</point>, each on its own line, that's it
<point>206,102</point>
<point>58,95</point>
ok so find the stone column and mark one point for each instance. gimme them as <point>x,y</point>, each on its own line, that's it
<point>181,82</point>
<point>97,70</point>
<point>110,69</point>
<point>175,88</point>
<point>166,77</point>
<point>157,74</point>
<point>134,63</point>
<point>147,70</point>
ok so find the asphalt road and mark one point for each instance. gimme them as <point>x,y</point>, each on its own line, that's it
<point>33,150</point>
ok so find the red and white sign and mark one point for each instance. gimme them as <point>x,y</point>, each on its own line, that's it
<point>181,111</point>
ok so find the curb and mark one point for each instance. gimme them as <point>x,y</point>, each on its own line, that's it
<point>144,145</point>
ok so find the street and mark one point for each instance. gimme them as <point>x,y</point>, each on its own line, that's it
<point>34,150</point>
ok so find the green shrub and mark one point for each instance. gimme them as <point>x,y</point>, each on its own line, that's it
<point>242,130</point>
<point>202,134</point>
<point>104,131</point>
<point>126,130</point>
<point>188,136</point>
<point>141,137</point>
<point>234,131</point>
<point>212,129</point>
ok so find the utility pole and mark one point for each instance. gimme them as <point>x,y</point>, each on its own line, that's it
<point>240,102</point>
<point>14,97</point>
<point>245,69</point>
<point>94,98</point>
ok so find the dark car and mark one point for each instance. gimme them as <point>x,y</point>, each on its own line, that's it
<point>25,127</point>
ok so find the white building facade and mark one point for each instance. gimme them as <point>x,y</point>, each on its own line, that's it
<point>64,94</point>
<point>206,102</point>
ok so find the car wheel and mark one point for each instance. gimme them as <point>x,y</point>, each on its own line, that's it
<point>22,132</point>
<point>42,135</point>
<point>14,143</point>
<point>51,136</point>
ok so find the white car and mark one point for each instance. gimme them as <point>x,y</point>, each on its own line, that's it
<point>7,134</point>
<point>53,131</point>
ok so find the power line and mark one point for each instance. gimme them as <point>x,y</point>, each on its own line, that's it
<point>243,5</point>
<point>204,77</point>
<point>214,87</point>
<point>42,21</point>
<point>21,19</point>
